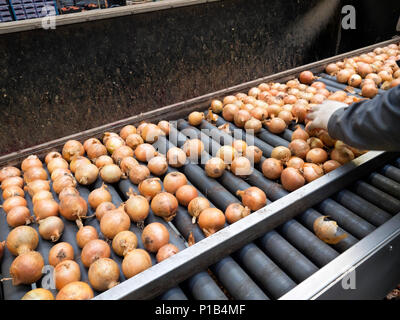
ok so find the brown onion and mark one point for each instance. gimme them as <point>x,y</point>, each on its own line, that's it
<point>126,131</point>
<point>103,208</point>
<point>113,222</point>
<point>86,234</point>
<point>151,132</point>
<point>113,143</point>
<point>292,179</point>
<point>134,140</point>
<point>240,146</point>
<point>68,191</point>
<point>77,290</point>
<point>174,180</point>
<point>145,152</point>
<point>35,173</point>
<point>71,149</point>
<point>124,242</point>
<point>315,143</point>
<point>137,207</point>
<point>158,165</point>
<point>235,212</point>
<point>89,142</point>
<point>37,186</point>
<point>94,250</point>
<point>216,106</point>
<point>229,99</point>
<point>138,173</point>
<point>135,262</point>
<point>326,139</point>
<point>332,69</point>
<point>286,116</point>
<point>193,148</point>
<point>141,126</point>
<point>57,163</point>
<point>317,156</point>
<point>19,216</point>
<point>227,154</point>
<point>300,134</point>
<point>164,205</point>
<point>176,157</point>
<point>342,155</point>
<point>299,148</point>
<point>196,206</point>
<point>38,294</point>
<point>215,167</point>
<point>281,153</point>
<point>253,126</point>
<point>369,91</point>
<point>150,187</point>
<point>185,194</point>
<point>229,111</point>
<point>27,268</point>
<point>98,196</point>
<point>306,77</point>
<point>154,236</point>
<point>295,162</point>
<point>259,113</point>
<point>241,117</point>
<point>127,164</point>
<point>22,239</point>
<point>164,126</point>
<point>103,161</point>
<point>253,153</point>
<point>166,251</point>
<point>272,168</point>
<point>241,167</point>
<point>103,274</point>
<point>122,152</point>
<point>62,182</point>
<point>331,165</point>
<point>211,220</point>
<point>253,198</point>
<point>87,174</point>
<point>12,181</point>
<point>299,112</point>
<point>196,118</point>
<point>73,207</point>
<point>59,172</point>
<point>31,162</point>
<point>60,252</point>
<point>51,228</point>
<point>66,272</point>
<point>13,191</point>
<point>312,172</point>
<point>276,125</point>
<point>110,173</point>
<point>96,150</point>
<point>13,202</point>
<point>8,172</point>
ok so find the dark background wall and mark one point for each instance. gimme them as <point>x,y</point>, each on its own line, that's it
<point>57,82</point>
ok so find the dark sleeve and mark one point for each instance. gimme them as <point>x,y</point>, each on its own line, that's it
<point>369,124</point>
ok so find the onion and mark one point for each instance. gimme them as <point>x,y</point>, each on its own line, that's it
<point>111,173</point>
<point>13,191</point>
<point>127,164</point>
<point>299,111</point>
<point>196,118</point>
<point>395,83</point>
<point>315,143</point>
<point>114,221</point>
<point>42,195</point>
<point>363,69</point>
<point>37,186</point>
<point>312,172</point>
<point>211,220</point>
<point>281,153</point>
<point>253,126</point>
<point>122,152</point>
<point>306,77</point>
<point>236,212</point>
<point>164,126</point>
<point>134,140</point>
<point>124,242</point>
<point>185,194</point>
<point>154,236</point>
<point>276,125</point>
<point>103,274</point>
<point>68,191</point>
<point>253,198</point>
<point>22,239</point>
<point>229,99</point>
<point>227,154</point>
<point>173,181</point>
<point>59,172</point>
<point>57,163</point>
<point>369,91</point>
<point>135,262</point>
<point>241,167</point>
<point>295,162</point>
<point>89,142</point>
<point>86,234</point>
<point>299,148</point>
<point>326,139</point>
<point>164,205</point>
<point>31,162</point>
<point>35,173</point>
<point>145,152</point>
<point>38,294</point>
<point>286,116</point>
<point>355,80</point>
<point>229,111</point>
<point>166,251</point>
<point>73,207</point>
<point>19,216</point>
<point>141,126</point>
<point>12,181</point>
<point>62,182</point>
<point>254,92</point>
<point>216,106</point>
<point>176,157</point>
<point>60,252</point>
<point>272,168</point>
<point>13,202</point>
<point>327,230</point>
<point>292,179</point>
<point>240,146</point>
<point>158,165</point>
<point>71,149</point>
<point>87,174</point>
<point>138,173</point>
<point>241,117</point>
<point>151,132</point>
<point>253,153</point>
<point>137,207</point>
<point>27,268</point>
<point>150,187</point>
<point>343,76</point>
<point>66,272</point>
<point>259,113</point>
<point>385,75</point>
<point>331,165</point>
<point>342,155</point>
<point>103,208</point>
<point>196,206</point>
<point>300,134</point>
<point>51,228</point>
<point>96,150</point>
<point>8,172</point>
<point>94,250</point>
<point>332,69</point>
<point>317,156</point>
<point>98,196</point>
<point>215,167</point>
<point>193,148</point>
<point>77,290</point>
<point>273,110</point>
<point>113,143</point>
<point>245,107</point>
<point>126,131</point>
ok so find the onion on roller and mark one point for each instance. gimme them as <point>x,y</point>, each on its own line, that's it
<point>38,294</point>
<point>93,250</point>
<point>299,148</point>
<point>89,142</point>
<point>275,125</point>
<point>35,173</point>
<point>281,153</point>
<point>98,196</point>
<point>51,228</point>
<point>164,205</point>
<point>150,187</point>
<point>227,154</point>
<point>71,149</point>
<point>300,134</point>
<point>315,143</point>
<point>13,202</point>
<point>73,207</point>
<point>96,150</point>
<point>113,143</point>
<point>317,156</point>
<point>292,179</point>
<point>166,251</point>
<point>86,234</point>
<point>253,126</point>
<point>122,152</point>
<point>137,207</point>
<point>138,173</point>
<point>60,252</point>
<point>211,220</point>
<point>241,117</point>
<point>176,157</point>
<point>45,208</point>
<point>253,153</point>
<point>158,165</point>
<point>342,155</point>
<point>31,161</point>
<point>193,148</point>
<point>77,290</point>
<point>151,132</point>
<point>235,212</point>
<point>216,106</point>
<point>229,111</point>
<point>134,140</point>
<point>312,172</point>
<point>12,181</point>
<point>64,181</point>
<point>172,181</point>
<point>145,152</point>
<point>103,274</point>
<point>126,131</point>
<point>57,163</point>
<point>66,272</point>
<point>272,168</point>
<point>103,208</point>
<point>19,216</point>
<point>240,146</point>
<point>27,268</point>
<point>126,165</point>
<point>185,194</point>
<point>241,167</point>
<point>8,172</point>
<point>59,173</point>
<point>215,167</point>
<point>154,236</point>
<point>141,126</point>
<point>253,198</point>
<point>68,191</point>
<point>306,77</point>
<point>164,126</point>
<point>195,118</point>
<point>135,262</point>
<point>331,165</point>
<point>103,161</point>
<point>111,173</point>
<point>37,186</point>
<point>327,230</point>
<point>295,162</point>
<point>22,239</point>
<point>196,206</point>
<point>87,174</point>
<point>124,242</point>
<point>113,222</point>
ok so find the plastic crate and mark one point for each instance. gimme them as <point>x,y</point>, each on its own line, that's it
<point>3,3</point>
<point>4,8</point>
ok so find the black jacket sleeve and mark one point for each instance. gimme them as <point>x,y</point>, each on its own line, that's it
<point>369,124</point>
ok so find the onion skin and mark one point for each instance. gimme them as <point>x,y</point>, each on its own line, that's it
<point>331,165</point>
<point>13,191</point>
<point>72,149</point>
<point>135,262</point>
<point>51,228</point>
<point>166,251</point>
<point>176,157</point>
<point>185,194</point>
<point>27,268</point>
<point>215,167</point>
<point>98,196</point>
<point>150,187</point>
<point>13,202</point>
<point>164,205</point>
<point>86,234</point>
<point>22,239</point>
<point>73,207</point>
<point>8,172</point>
<point>253,198</point>
<point>173,181</point>
<point>19,216</point>
<point>124,242</point>
<point>327,230</point>
<point>103,274</point>
<point>38,294</point>
<point>137,208</point>
<point>196,206</point>
<point>93,250</point>
<point>272,168</point>
<point>113,222</point>
<point>154,236</point>
<point>235,212</point>
<point>299,148</point>
<point>292,179</point>
<point>312,172</point>
<point>211,220</point>
<point>158,165</point>
<point>103,208</point>
<point>60,252</point>
<point>139,173</point>
<point>66,272</point>
<point>75,291</point>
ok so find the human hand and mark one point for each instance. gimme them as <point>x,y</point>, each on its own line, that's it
<point>321,114</point>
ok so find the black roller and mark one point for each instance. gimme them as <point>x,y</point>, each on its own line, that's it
<point>385,184</point>
<point>363,208</point>
<point>173,294</point>
<point>391,172</point>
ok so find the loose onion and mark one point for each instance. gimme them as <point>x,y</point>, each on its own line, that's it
<point>241,167</point>
<point>342,155</point>
<point>71,149</point>
<point>253,198</point>
<point>185,194</point>
<point>66,272</point>
<point>126,131</point>
<point>259,113</point>
<point>292,179</point>
<point>295,162</point>
<point>8,172</point>
<point>253,153</point>
<point>241,117</point>
<point>196,206</point>
<point>355,80</point>
<point>134,140</point>
<point>12,181</point>
<point>229,111</point>
<point>227,154</point>
<point>37,186</point>
<point>13,191</point>
<point>135,262</point>
<point>331,165</point>
<point>138,173</point>
<point>89,142</point>
<point>215,167</point>
<point>22,239</point>
<point>332,69</point>
<point>164,126</point>
<point>141,126</point>
<point>87,174</point>
<point>113,143</point>
<point>173,181</point>
<point>299,148</point>
<point>315,143</point>
<point>150,187</point>
<point>166,251</point>
<point>299,111</point>
<point>27,268</point>
<point>93,250</point>
<point>235,212</point>
<point>158,165</point>
<point>145,152</point>
<point>13,202</point>
<point>196,118</point>
<point>211,220</point>
<point>229,99</point>
<point>38,294</point>
<point>60,252</point>
<point>286,116</point>
<point>86,234</point>
<point>62,182</point>
<point>306,77</point>
<point>124,242</point>
<point>51,228</point>
<point>68,191</point>
<point>57,163</point>
<point>103,274</point>
<point>73,207</point>
<point>281,153</point>
<point>300,134</point>
<point>276,125</point>
<point>31,162</point>
<point>137,207</point>
<point>369,91</point>
<point>126,165</point>
<point>176,157</point>
<point>111,173</point>
<point>18,216</point>
<point>272,168</point>
<point>122,152</point>
<point>151,133</point>
<point>98,196</point>
<point>114,221</point>
<point>35,173</point>
<point>154,236</point>
<point>59,172</point>
<point>193,148</point>
<point>240,146</point>
<point>96,150</point>
<point>103,208</point>
<point>216,106</point>
<point>77,290</point>
<point>164,205</point>
<point>253,126</point>
<point>317,156</point>
<point>326,139</point>
<point>312,172</point>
